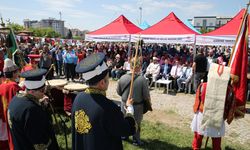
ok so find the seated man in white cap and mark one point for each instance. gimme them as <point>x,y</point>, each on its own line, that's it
<point>8,89</point>
<point>29,123</point>
<point>97,122</point>
<point>153,70</point>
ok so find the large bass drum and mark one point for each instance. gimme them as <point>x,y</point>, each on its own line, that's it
<point>56,92</point>
<point>72,90</point>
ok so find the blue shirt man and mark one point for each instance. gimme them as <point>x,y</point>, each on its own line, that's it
<point>166,68</point>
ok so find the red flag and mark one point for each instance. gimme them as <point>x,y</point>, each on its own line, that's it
<point>238,64</point>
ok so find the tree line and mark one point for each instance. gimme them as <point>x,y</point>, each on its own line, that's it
<point>39,32</point>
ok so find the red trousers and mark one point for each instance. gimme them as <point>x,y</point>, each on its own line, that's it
<point>197,142</point>
<point>67,102</point>
<point>4,145</point>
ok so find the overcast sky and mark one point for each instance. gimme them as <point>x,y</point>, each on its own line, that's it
<point>93,14</point>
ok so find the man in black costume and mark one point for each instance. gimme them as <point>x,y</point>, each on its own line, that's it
<point>30,124</point>
<point>97,122</point>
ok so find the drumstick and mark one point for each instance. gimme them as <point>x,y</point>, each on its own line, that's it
<point>49,70</point>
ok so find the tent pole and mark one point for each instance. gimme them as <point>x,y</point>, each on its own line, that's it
<point>194,55</point>
<point>194,50</point>
<point>129,46</point>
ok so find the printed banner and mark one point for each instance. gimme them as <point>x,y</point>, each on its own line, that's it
<point>178,39</point>
<point>108,38</point>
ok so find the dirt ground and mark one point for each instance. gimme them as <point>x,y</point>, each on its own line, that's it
<point>176,111</point>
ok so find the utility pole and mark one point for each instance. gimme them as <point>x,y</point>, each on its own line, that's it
<point>140,8</point>
<point>60,13</point>
<point>2,23</point>
<point>248,5</point>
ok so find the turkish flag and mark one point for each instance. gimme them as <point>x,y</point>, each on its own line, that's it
<point>238,63</point>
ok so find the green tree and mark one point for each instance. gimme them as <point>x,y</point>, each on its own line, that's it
<point>77,37</point>
<point>51,33</point>
<point>16,27</point>
<point>204,30</point>
<point>45,32</point>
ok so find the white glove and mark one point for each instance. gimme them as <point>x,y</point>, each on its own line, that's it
<point>130,110</point>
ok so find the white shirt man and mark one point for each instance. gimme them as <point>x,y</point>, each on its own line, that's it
<point>126,66</point>
<point>176,71</point>
<point>210,59</point>
<point>153,69</point>
<point>175,74</point>
<point>186,75</point>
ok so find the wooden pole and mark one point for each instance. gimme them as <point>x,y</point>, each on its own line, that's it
<point>133,71</point>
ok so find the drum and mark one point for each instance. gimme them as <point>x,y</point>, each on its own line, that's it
<point>57,83</point>
<point>56,92</point>
<point>73,89</point>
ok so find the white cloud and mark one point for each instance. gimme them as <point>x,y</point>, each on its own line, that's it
<point>197,8</point>
<point>154,6</point>
<point>79,14</point>
<point>111,7</point>
<point>69,9</point>
<point>59,4</point>
<point>6,8</point>
<point>120,8</point>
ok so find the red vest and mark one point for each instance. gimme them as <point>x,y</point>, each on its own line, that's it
<point>200,97</point>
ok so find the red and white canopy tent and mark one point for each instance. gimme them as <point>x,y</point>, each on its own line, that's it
<point>169,30</point>
<point>225,35</point>
<point>118,30</point>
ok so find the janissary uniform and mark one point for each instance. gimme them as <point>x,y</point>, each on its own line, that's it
<point>198,109</point>
<point>196,123</point>
<point>212,109</point>
<point>97,122</point>
<point>30,124</point>
<point>8,89</point>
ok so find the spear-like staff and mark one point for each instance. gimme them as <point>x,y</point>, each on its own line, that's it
<point>134,65</point>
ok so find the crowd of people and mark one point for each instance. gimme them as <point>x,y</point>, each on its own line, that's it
<point>158,60</point>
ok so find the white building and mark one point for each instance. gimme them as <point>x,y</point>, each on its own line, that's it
<point>57,25</point>
<point>209,22</point>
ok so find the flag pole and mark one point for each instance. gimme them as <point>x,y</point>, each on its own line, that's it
<point>238,65</point>
<point>241,24</point>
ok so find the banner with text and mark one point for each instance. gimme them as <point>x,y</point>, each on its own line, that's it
<point>215,40</point>
<point>178,39</point>
<point>108,38</point>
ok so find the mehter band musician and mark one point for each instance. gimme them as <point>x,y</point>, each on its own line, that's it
<point>8,89</point>
<point>29,122</point>
<point>97,122</point>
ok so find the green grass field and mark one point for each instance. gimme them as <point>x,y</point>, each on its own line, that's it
<point>157,136</point>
